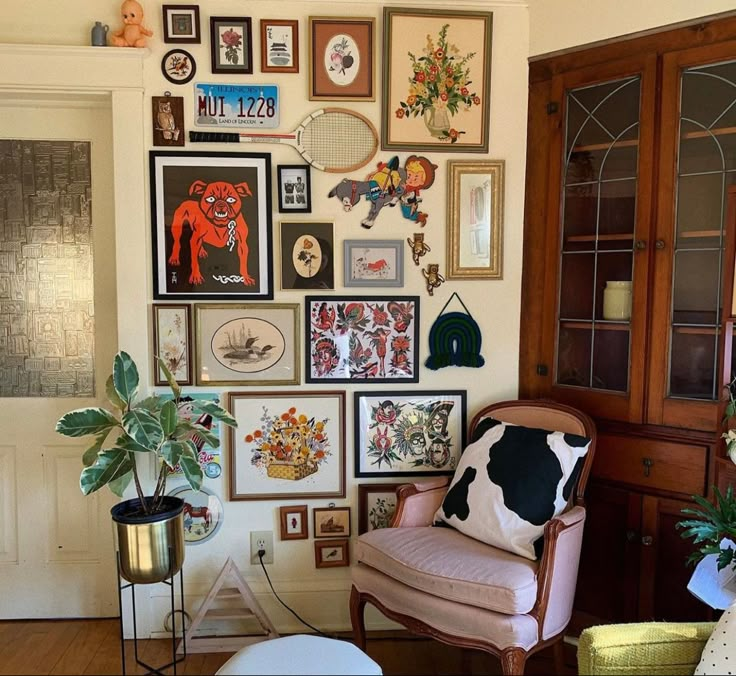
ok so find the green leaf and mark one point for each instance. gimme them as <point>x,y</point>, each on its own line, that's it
<point>110,465</point>
<point>143,428</point>
<point>125,376</point>
<point>119,485</point>
<point>169,416</point>
<point>84,421</point>
<point>128,444</point>
<point>90,455</point>
<point>151,404</point>
<point>217,412</point>
<point>725,558</point>
<point>169,378</point>
<point>211,439</point>
<point>112,395</point>
<point>192,470</point>
<point>171,451</point>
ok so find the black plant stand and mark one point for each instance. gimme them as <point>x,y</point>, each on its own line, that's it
<point>132,586</point>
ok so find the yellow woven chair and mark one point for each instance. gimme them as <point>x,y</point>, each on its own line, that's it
<point>647,648</point>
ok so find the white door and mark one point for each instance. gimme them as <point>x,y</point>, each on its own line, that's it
<point>56,547</point>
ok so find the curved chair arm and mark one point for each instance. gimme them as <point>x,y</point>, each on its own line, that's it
<point>416,503</point>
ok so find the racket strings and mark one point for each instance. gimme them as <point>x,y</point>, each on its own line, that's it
<point>339,141</point>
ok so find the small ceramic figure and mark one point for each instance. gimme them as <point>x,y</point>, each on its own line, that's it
<point>433,277</point>
<point>99,34</point>
<point>133,33</point>
<point>418,247</point>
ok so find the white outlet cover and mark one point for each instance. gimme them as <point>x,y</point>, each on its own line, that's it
<point>267,537</point>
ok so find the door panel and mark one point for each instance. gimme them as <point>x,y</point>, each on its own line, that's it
<point>9,520</point>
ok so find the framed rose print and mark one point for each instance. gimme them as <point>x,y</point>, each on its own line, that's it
<point>287,445</point>
<point>279,46</point>
<point>172,342</point>
<point>331,553</point>
<point>307,255</point>
<point>331,522</point>
<point>342,59</point>
<point>436,80</point>
<point>376,506</point>
<point>231,45</point>
<point>293,521</point>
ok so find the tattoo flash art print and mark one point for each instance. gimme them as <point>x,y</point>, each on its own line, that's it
<point>353,338</point>
<point>406,434</point>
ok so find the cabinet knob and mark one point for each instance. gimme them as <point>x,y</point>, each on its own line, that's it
<point>647,540</point>
<point>647,462</point>
<point>641,244</point>
<point>630,535</point>
<point>659,244</point>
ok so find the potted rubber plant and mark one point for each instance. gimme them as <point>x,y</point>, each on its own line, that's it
<point>150,528</point>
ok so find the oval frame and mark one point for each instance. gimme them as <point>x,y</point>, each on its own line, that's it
<point>179,492</point>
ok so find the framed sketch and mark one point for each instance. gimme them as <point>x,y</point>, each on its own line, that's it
<point>408,433</point>
<point>211,220</point>
<point>436,79</point>
<point>369,262</point>
<point>172,342</point>
<point>203,513</point>
<point>295,188</point>
<point>279,46</point>
<point>178,66</point>
<point>307,255</point>
<point>331,553</point>
<point>353,338</point>
<point>293,522</point>
<point>475,217</point>
<point>181,24</point>
<point>342,59</point>
<point>331,522</point>
<point>231,45</point>
<point>287,445</point>
<point>376,506</point>
<point>167,116</point>
<point>247,344</point>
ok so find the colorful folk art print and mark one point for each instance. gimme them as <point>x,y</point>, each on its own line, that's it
<point>373,262</point>
<point>352,338</point>
<point>404,434</point>
<point>203,513</point>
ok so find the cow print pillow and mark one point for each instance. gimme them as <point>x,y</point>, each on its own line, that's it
<point>510,482</point>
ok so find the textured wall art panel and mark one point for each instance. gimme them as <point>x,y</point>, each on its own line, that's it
<point>46,292</point>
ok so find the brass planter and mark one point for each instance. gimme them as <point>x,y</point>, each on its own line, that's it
<point>151,547</point>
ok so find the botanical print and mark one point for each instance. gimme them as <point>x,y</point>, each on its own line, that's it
<point>172,342</point>
<point>279,46</point>
<point>372,263</point>
<point>203,514</point>
<point>248,345</point>
<point>381,508</point>
<point>342,59</point>
<point>231,45</point>
<point>307,257</point>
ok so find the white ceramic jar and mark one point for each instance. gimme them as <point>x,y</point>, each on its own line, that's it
<point>617,301</point>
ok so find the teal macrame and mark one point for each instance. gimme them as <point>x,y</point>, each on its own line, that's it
<point>454,340</point>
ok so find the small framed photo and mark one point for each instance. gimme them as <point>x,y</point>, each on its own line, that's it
<point>294,522</point>
<point>376,506</point>
<point>279,46</point>
<point>295,188</point>
<point>373,263</point>
<point>307,255</point>
<point>172,342</point>
<point>178,66</point>
<point>331,553</point>
<point>231,43</point>
<point>331,522</point>
<point>181,24</point>
<point>342,59</point>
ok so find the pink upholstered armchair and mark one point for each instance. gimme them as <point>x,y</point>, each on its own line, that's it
<point>441,583</point>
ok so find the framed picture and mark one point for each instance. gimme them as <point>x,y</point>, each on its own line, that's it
<point>211,220</point>
<point>307,255</point>
<point>279,46</point>
<point>342,59</point>
<point>203,513</point>
<point>287,445</point>
<point>293,521</point>
<point>295,188</point>
<point>331,522</point>
<point>436,80</point>
<point>408,433</point>
<point>369,262</point>
<point>247,344</point>
<point>475,217</point>
<point>178,66</point>
<point>231,44</point>
<point>167,115</point>
<point>352,338</point>
<point>181,24</point>
<point>172,342</point>
<point>331,553</point>
<point>376,506</point>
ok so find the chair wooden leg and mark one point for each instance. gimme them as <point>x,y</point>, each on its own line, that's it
<point>559,655</point>
<point>357,618</point>
<point>513,661</point>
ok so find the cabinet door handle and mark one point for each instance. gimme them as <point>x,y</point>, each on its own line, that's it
<point>647,540</point>
<point>659,244</point>
<point>641,244</point>
<point>630,535</point>
<point>647,462</point>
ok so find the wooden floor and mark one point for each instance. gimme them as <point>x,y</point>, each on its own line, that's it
<point>93,647</point>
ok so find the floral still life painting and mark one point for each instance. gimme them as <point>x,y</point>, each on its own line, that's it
<point>353,338</point>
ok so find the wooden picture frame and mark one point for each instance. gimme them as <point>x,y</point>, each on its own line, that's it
<point>181,24</point>
<point>167,119</point>
<point>231,45</point>
<point>373,511</point>
<point>294,188</point>
<point>475,195</point>
<point>307,255</point>
<point>279,46</point>
<point>339,550</point>
<point>172,342</point>
<point>373,263</point>
<point>331,522</point>
<point>287,518</point>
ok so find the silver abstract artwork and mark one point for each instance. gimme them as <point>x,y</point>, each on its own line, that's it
<point>46,273</point>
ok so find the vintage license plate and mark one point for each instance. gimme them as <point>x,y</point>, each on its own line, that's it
<point>242,106</point>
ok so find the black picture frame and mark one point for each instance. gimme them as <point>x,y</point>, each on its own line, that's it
<point>315,239</point>
<point>283,171</point>
<point>244,22</point>
<point>167,70</point>
<point>321,312</point>
<point>196,35</point>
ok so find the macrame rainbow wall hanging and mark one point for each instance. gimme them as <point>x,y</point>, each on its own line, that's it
<point>454,340</point>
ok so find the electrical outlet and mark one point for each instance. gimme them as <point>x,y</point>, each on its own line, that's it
<point>261,539</point>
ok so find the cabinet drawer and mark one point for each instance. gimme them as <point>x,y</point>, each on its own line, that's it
<point>680,468</point>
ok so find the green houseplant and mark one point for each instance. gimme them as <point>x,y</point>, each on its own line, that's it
<point>150,527</point>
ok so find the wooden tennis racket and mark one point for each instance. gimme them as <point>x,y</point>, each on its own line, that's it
<point>330,139</point>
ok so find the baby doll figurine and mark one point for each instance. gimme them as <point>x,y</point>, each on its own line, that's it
<point>133,33</point>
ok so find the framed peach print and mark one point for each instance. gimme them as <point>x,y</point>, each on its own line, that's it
<point>436,80</point>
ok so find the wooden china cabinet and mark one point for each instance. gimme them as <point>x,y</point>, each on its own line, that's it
<point>631,177</point>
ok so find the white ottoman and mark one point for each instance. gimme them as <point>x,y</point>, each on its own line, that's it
<point>307,655</point>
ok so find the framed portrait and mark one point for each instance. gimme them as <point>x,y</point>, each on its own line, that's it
<point>294,522</point>
<point>279,46</point>
<point>307,255</point>
<point>211,221</point>
<point>342,59</point>
<point>331,522</point>
<point>295,188</point>
<point>172,342</point>
<point>247,344</point>
<point>331,553</point>
<point>287,445</point>
<point>181,24</point>
<point>376,506</point>
<point>203,513</point>
<point>231,45</point>
<point>167,116</point>
<point>373,262</point>
<point>178,66</point>
<point>436,80</point>
<point>353,338</point>
<point>408,433</point>
<point>475,217</point>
